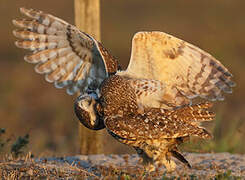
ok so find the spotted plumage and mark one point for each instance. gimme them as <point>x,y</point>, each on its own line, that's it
<point>149,105</point>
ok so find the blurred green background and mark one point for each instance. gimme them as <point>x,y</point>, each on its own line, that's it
<point>28,104</point>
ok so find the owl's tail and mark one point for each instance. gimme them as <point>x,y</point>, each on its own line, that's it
<point>175,153</point>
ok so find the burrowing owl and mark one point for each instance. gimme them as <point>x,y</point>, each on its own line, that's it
<point>147,106</point>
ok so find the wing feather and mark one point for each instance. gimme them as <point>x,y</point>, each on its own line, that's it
<point>186,70</point>
<point>157,123</point>
<point>66,56</point>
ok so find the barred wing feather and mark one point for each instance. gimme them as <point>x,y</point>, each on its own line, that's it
<point>68,57</point>
<point>185,70</point>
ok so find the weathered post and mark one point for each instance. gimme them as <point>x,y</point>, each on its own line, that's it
<point>87,18</point>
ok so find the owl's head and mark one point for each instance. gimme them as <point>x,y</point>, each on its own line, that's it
<point>87,112</point>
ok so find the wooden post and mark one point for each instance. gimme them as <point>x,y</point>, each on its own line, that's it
<point>87,19</point>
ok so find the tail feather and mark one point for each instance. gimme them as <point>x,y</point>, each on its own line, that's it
<point>180,157</point>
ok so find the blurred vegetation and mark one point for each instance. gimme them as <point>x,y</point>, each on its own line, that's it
<point>226,176</point>
<point>29,105</point>
<point>12,145</point>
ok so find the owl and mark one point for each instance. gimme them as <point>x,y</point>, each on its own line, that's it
<point>148,106</point>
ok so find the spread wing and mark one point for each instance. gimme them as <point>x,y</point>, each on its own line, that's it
<point>185,70</point>
<point>68,57</point>
<point>159,124</point>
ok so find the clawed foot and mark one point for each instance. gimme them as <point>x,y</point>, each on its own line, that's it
<point>149,168</point>
<point>170,166</point>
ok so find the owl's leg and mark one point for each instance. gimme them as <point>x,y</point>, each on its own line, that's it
<point>145,160</point>
<point>164,159</point>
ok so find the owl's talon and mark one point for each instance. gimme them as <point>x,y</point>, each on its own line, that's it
<point>150,168</point>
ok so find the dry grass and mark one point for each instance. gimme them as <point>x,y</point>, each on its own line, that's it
<point>25,167</point>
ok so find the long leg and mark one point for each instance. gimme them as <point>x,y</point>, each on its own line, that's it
<point>164,159</point>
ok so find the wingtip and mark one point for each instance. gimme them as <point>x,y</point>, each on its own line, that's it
<point>48,79</point>
<point>23,10</point>
<point>15,22</point>
<point>17,44</point>
<point>14,32</point>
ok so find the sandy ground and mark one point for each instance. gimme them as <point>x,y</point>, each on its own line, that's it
<point>204,166</point>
